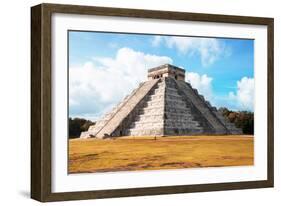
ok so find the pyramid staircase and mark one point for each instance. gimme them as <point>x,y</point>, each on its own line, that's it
<point>214,117</point>
<point>159,107</point>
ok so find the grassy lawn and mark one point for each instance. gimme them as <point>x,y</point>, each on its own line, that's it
<point>146,153</point>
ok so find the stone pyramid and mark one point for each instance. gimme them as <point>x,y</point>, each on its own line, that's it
<point>163,105</point>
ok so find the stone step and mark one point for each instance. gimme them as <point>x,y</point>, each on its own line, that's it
<point>147,117</point>
<point>146,125</point>
<point>183,129</point>
<point>154,118</point>
<point>127,108</point>
<point>192,95</point>
<point>175,103</point>
<point>177,131</point>
<point>148,132</point>
<point>184,120</point>
<point>158,90</point>
<point>187,124</point>
<point>173,96</point>
<point>177,114</point>
<point>153,110</point>
<point>153,103</point>
<point>177,110</point>
<point>155,97</point>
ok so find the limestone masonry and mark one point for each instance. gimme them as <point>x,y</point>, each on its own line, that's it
<point>163,105</point>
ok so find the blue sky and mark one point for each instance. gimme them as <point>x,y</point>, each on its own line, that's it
<point>104,67</point>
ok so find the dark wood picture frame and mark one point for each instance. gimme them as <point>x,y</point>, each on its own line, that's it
<point>41,101</point>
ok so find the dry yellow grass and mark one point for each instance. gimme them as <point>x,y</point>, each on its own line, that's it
<point>145,153</point>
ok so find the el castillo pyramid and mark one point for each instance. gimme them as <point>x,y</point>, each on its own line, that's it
<point>163,105</point>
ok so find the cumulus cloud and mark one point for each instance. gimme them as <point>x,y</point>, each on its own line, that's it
<point>203,83</point>
<point>98,85</point>
<point>241,99</point>
<point>244,96</point>
<point>209,49</point>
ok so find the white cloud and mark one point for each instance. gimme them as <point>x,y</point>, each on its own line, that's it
<point>242,99</point>
<point>202,83</point>
<point>97,86</point>
<point>244,96</point>
<point>209,49</point>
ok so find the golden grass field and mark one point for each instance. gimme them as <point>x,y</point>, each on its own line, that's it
<point>146,153</point>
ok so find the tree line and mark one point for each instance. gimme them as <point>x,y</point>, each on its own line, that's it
<point>78,125</point>
<point>241,119</point>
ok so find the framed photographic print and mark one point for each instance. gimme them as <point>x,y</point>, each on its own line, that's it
<point>130,102</point>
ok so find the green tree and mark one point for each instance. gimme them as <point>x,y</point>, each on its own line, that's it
<point>241,119</point>
<point>78,125</point>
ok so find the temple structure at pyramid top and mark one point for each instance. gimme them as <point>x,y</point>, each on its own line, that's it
<point>164,105</point>
<point>166,70</point>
